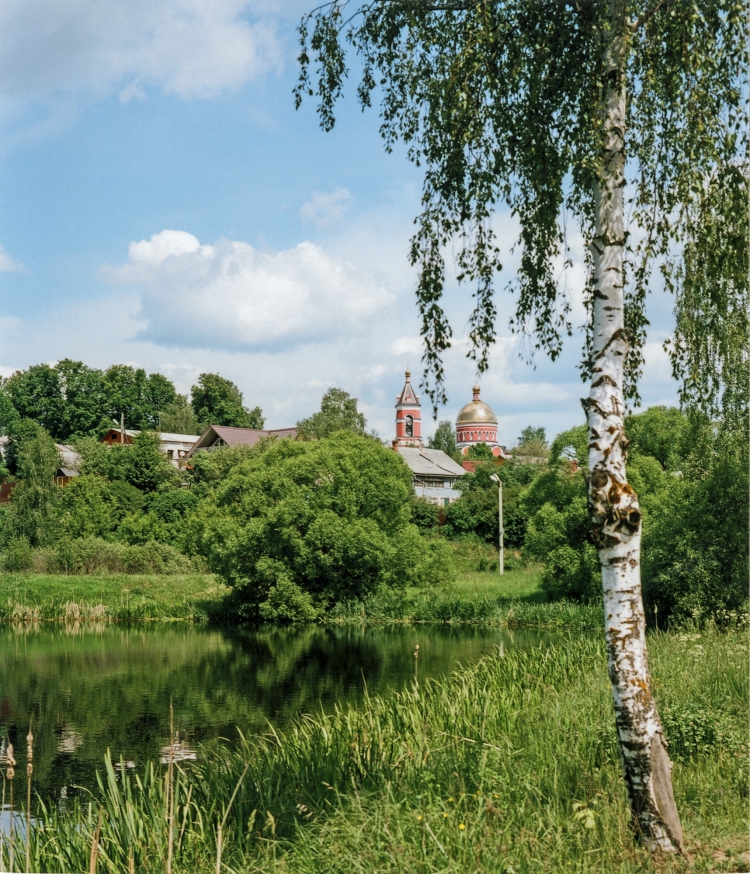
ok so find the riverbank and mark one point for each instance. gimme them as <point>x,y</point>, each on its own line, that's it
<point>511,600</point>
<point>507,766</point>
<point>29,598</point>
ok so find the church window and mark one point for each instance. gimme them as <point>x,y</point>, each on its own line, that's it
<point>409,426</point>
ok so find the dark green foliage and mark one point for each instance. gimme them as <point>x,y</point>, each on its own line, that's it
<point>88,555</point>
<point>445,438</point>
<point>18,556</point>
<point>660,433</point>
<point>92,506</point>
<point>480,452</point>
<point>571,445</point>
<point>172,506</point>
<point>84,401</point>
<point>330,516</point>
<point>141,464</point>
<point>140,398</point>
<point>218,401</point>
<point>476,512</point>
<point>36,394</point>
<point>424,515</point>
<point>695,559</point>
<point>147,468</point>
<point>32,510</point>
<point>338,412</point>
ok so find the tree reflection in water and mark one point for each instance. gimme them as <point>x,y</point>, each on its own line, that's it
<point>90,689</point>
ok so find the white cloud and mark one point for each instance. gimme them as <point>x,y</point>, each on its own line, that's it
<point>8,265</point>
<point>233,296</point>
<point>325,209</point>
<point>191,48</point>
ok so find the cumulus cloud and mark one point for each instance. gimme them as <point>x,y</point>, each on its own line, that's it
<point>233,296</point>
<point>325,209</point>
<point>191,48</point>
<point>8,265</point>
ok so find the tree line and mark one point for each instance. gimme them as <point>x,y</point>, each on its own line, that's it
<point>72,400</point>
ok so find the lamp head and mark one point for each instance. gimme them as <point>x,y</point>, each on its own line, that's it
<point>495,478</point>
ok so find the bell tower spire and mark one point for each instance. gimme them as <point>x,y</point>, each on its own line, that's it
<point>408,417</point>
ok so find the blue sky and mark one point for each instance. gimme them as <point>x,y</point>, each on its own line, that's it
<point>164,205</point>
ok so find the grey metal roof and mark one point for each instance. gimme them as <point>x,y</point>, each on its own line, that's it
<point>430,462</point>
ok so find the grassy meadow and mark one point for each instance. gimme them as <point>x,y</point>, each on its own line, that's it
<point>510,765</point>
<point>27,597</point>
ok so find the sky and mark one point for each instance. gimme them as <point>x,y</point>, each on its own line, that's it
<point>163,204</point>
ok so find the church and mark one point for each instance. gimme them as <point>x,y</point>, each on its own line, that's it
<point>434,473</point>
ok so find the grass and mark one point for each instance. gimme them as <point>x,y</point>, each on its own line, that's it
<point>108,597</point>
<point>508,766</point>
<point>513,599</point>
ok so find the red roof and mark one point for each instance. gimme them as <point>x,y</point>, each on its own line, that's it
<point>237,436</point>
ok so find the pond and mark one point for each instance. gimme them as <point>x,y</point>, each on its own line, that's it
<point>89,689</point>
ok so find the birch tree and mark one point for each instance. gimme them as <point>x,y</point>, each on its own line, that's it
<point>616,115</point>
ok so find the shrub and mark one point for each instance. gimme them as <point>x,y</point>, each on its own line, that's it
<point>18,555</point>
<point>331,515</point>
<point>87,555</point>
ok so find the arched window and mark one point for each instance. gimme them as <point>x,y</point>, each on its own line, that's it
<point>410,426</point>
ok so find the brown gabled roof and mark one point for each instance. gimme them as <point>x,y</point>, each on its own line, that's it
<point>237,436</point>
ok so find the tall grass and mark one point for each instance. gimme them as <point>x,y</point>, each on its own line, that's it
<point>450,605</point>
<point>510,765</point>
<point>97,598</point>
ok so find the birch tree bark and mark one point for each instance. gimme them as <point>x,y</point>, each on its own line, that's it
<point>613,504</point>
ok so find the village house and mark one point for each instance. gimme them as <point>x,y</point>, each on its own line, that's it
<point>216,436</point>
<point>174,446</point>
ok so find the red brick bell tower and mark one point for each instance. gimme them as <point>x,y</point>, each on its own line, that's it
<point>408,417</point>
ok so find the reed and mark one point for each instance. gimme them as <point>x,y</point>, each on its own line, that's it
<point>10,774</point>
<point>29,773</point>
<point>508,765</point>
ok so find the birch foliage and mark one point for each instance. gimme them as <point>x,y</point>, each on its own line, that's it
<point>499,103</point>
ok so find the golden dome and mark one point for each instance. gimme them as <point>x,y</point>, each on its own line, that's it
<point>476,411</point>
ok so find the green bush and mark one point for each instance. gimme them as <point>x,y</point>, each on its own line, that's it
<point>18,555</point>
<point>141,528</point>
<point>88,555</point>
<point>695,545</point>
<point>331,515</point>
<point>91,506</point>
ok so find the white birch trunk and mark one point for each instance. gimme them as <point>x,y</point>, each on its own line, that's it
<point>612,502</point>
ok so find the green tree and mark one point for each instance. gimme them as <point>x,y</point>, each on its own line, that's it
<point>660,433</point>
<point>338,412</point>
<point>532,443</point>
<point>161,396</point>
<point>314,522</point>
<point>140,398</point>
<point>535,107</point>
<point>480,452</point>
<point>84,402</point>
<point>146,467</point>
<point>178,417</point>
<point>32,510</point>
<point>36,394</point>
<point>695,535</point>
<point>92,506</point>
<point>218,401</point>
<point>444,438</point>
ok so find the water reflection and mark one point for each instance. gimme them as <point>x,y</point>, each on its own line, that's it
<point>90,689</point>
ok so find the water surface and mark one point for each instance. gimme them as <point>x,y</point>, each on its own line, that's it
<point>90,689</point>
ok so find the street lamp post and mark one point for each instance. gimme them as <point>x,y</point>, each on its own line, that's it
<point>501,547</point>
